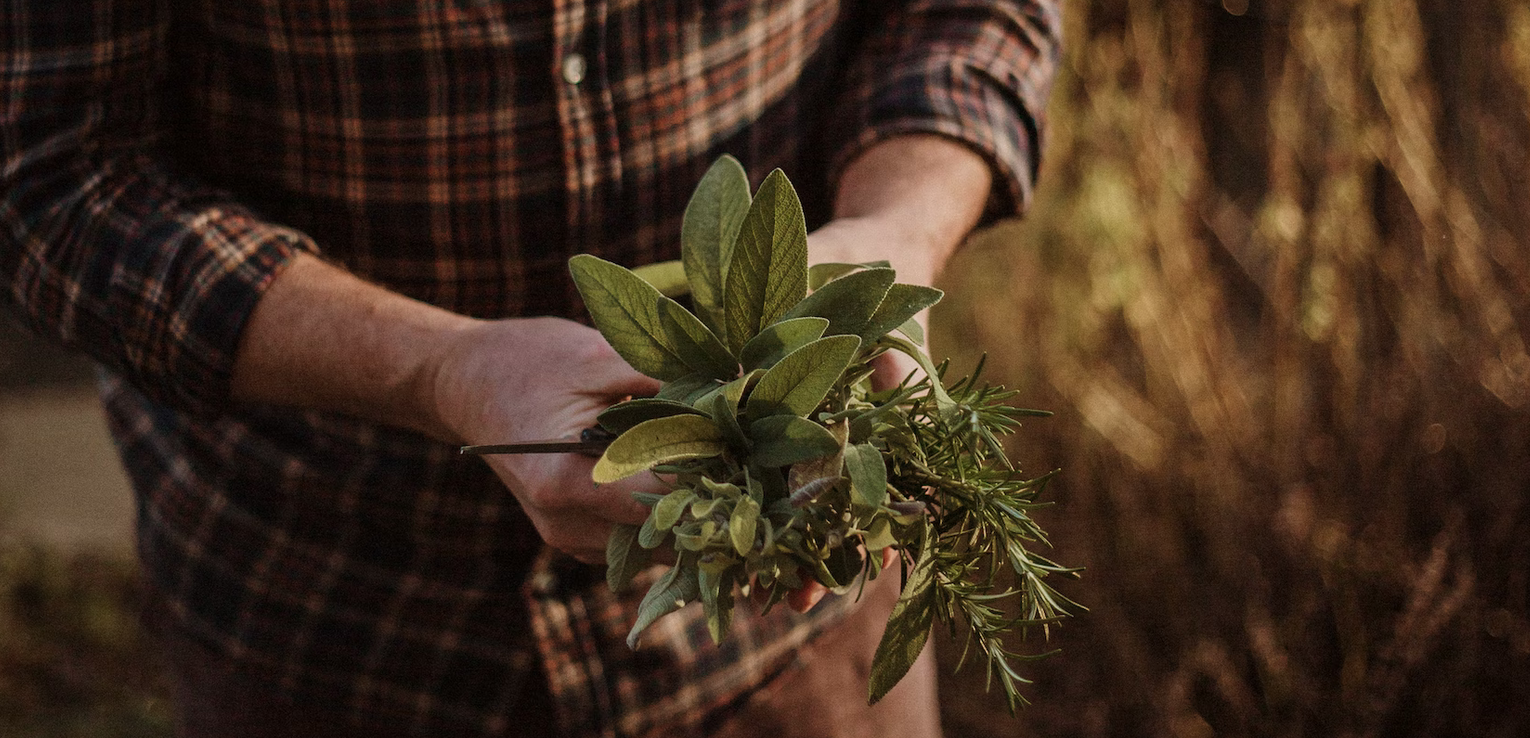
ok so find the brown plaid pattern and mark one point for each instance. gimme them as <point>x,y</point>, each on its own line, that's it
<point>163,159</point>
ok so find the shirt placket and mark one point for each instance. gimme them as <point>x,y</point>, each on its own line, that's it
<point>585,113</point>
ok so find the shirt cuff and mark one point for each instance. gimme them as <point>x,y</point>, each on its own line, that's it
<point>181,319</point>
<point>977,74</point>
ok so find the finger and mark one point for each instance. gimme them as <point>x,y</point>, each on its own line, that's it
<point>889,557</point>
<point>805,597</point>
<point>610,376</point>
<point>618,502</point>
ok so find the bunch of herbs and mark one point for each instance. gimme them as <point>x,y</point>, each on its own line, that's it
<point>784,463</point>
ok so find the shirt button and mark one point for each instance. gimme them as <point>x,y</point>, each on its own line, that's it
<point>573,68</point>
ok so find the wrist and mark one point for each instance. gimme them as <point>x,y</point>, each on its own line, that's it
<point>323,339</point>
<point>924,192</point>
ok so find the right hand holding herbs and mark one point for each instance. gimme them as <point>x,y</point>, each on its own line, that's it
<point>542,378</point>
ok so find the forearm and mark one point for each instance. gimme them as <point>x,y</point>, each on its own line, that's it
<point>322,338</point>
<point>912,200</point>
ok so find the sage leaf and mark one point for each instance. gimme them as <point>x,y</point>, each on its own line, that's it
<point>913,330</point>
<point>902,303</point>
<point>659,441</point>
<point>649,536</point>
<point>780,339</point>
<point>626,311</point>
<point>724,410</point>
<point>741,527</point>
<point>707,234</point>
<point>868,475</point>
<point>808,493</point>
<point>783,440</point>
<point>668,277</point>
<point>669,509</point>
<point>624,557</point>
<point>767,273</point>
<point>799,382</point>
<point>848,302</point>
<point>624,415</point>
<point>809,479</point>
<point>880,536</point>
<point>825,272</point>
<point>716,601</point>
<point>687,389</point>
<point>943,401</point>
<point>908,628</point>
<point>669,593</point>
<point>694,343</point>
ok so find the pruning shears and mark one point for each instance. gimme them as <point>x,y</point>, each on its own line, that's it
<point>592,442</point>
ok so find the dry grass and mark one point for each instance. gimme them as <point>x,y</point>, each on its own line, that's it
<point>1276,289</point>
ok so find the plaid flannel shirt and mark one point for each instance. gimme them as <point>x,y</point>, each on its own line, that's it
<point>162,160</point>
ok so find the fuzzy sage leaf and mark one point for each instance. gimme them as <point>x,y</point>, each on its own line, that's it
<point>659,441</point>
<point>898,308</point>
<point>624,557</point>
<point>780,339</point>
<point>848,302</point>
<point>708,232</point>
<point>767,273</point>
<point>626,311</point>
<point>799,382</point>
<point>669,593</point>
<point>908,628</point>
<point>783,440</point>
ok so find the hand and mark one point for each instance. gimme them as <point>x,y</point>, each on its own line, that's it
<point>542,378</point>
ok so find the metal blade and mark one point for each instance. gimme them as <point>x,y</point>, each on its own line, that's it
<point>533,447</point>
<point>592,442</point>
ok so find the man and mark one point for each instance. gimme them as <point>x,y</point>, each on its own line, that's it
<point>316,244</point>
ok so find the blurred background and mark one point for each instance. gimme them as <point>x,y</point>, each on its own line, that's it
<point>1275,287</point>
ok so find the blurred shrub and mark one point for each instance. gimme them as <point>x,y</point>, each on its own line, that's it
<point>1276,286</point>
<point>73,660</point>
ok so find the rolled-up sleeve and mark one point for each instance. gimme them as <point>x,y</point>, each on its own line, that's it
<point>976,71</point>
<point>102,244</point>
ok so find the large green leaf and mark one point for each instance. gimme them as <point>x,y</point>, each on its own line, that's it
<point>848,302</point>
<point>742,525</point>
<point>707,234</point>
<point>620,417</point>
<point>626,311</point>
<point>669,509</point>
<point>767,274</point>
<point>624,557</point>
<point>694,343</point>
<point>780,339</point>
<point>943,401</point>
<point>716,600</point>
<point>797,383</point>
<point>670,593</point>
<point>868,475</point>
<point>783,440</point>
<point>659,441</point>
<point>823,272</point>
<point>668,277</point>
<point>902,303</point>
<point>908,628</point>
<point>723,407</point>
<point>688,389</point>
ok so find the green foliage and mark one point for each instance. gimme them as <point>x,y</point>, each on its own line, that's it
<point>784,462</point>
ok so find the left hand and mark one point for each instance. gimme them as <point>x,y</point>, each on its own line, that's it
<point>911,200</point>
